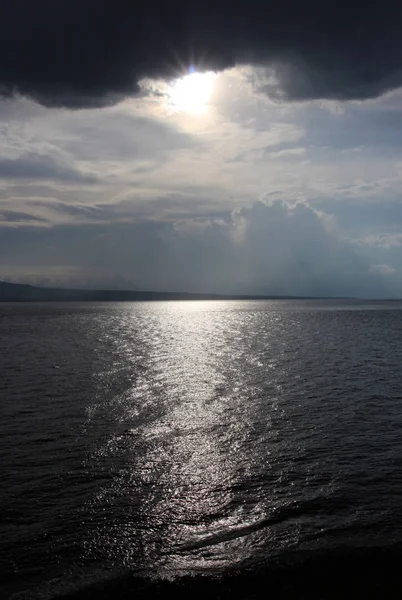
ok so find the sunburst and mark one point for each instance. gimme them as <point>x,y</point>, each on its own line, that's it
<point>192,93</point>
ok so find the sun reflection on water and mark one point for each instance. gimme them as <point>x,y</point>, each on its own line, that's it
<point>190,418</point>
<point>194,458</point>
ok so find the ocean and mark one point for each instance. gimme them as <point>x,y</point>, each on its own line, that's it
<point>219,449</point>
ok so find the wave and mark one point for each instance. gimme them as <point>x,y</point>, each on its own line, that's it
<point>292,511</point>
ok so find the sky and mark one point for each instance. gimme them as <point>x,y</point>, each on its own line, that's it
<point>224,147</point>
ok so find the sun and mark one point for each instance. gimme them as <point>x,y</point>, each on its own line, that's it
<point>192,92</point>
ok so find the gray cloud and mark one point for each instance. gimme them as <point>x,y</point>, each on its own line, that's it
<point>14,216</point>
<point>371,129</point>
<point>121,136</point>
<point>33,166</point>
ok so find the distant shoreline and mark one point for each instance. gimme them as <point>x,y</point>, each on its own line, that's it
<point>19,292</point>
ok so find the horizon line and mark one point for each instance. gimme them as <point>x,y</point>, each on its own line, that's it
<point>154,295</point>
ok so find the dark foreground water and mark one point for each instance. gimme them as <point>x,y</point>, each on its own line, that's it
<point>201,449</point>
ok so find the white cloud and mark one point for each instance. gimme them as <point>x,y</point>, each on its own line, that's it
<point>383,270</point>
<point>288,152</point>
<point>380,240</point>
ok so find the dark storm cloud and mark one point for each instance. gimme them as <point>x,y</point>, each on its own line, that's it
<point>91,52</point>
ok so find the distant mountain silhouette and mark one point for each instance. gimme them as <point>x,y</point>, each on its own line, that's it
<point>16,292</point>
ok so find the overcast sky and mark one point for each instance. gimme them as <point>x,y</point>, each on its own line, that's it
<point>227,147</point>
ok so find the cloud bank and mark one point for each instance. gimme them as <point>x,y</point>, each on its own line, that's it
<point>265,248</point>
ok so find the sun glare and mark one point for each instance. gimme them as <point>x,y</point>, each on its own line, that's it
<point>192,92</point>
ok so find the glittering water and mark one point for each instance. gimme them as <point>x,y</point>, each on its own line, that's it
<point>194,437</point>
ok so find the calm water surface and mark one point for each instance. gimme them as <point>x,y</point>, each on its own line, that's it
<point>167,439</point>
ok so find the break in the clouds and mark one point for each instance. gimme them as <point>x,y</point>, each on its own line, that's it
<point>94,52</point>
<point>278,173</point>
